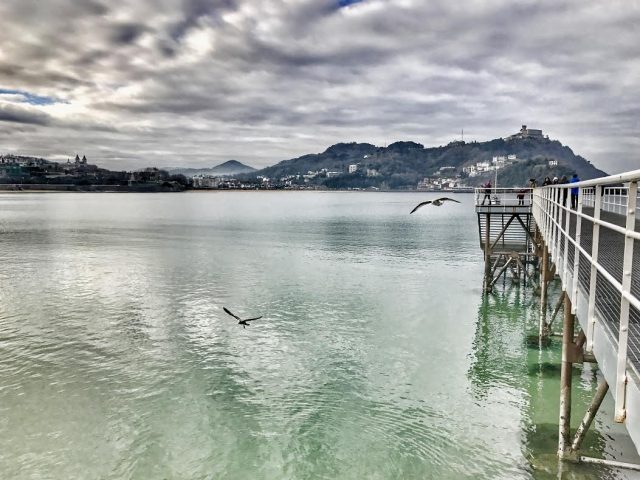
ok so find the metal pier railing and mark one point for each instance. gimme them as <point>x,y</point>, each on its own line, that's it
<point>592,235</point>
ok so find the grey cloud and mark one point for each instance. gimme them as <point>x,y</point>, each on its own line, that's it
<point>294,78</point>
<point>13,114</point>
<point>194,10</point>
<point>127,33</point>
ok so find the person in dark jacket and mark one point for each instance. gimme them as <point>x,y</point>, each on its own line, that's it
<point>487,192</point>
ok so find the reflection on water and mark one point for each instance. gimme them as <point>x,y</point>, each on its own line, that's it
<point>377,356</point>
<point>505,356</point>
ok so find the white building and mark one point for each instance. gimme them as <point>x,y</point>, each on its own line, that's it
<point>353,168</point>
<point>470,170</point>
<point>483,166</point>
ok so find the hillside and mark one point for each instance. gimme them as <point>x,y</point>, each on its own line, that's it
<point>403,164</point>
<point>230,167</point>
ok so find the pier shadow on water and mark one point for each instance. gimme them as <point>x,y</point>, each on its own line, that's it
<point>506,354</point>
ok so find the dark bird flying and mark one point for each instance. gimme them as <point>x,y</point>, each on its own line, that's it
<point>241,321</point>
<point>437,202</point>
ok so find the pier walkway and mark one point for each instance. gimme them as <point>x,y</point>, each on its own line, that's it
<point>594,249</point>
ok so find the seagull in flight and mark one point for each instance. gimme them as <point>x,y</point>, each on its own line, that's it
<point>240,321</point>
<point>437,202</point>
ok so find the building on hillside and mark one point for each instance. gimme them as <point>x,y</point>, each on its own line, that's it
<point>11,159</point>
<point>353,168</point>
<point>471,170</point>
<point>424,184</point>
<point>206,181</point>
<point>483,166</point>
<point>12,170</point>
<point>553,163</point>
<point>526,133</point>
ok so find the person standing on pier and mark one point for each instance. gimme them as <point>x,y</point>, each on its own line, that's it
<point>487,192</point>
<point>574,192</point>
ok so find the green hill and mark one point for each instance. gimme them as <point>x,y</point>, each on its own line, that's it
<point>402,165</point>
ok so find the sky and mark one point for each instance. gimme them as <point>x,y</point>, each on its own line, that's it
<point>198,82</point>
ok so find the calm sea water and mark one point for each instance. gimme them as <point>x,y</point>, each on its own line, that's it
<point>377,356</point>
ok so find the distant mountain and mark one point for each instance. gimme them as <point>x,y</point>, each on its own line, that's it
<point>230,167</point>
<point>403,164</point>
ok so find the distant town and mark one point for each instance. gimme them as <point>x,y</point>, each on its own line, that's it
<point>458,166</point>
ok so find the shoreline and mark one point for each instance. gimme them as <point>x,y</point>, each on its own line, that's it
<point>25,188</point>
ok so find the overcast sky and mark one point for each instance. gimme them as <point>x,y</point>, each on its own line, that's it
<point>197,82</point>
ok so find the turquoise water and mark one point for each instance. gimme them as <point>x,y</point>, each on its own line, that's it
<point>376,357</point>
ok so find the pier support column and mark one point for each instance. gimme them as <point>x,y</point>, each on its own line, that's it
<point>487,254</point>
<point>544,282</point>
<point>602,390</point>
<point>564,438</point>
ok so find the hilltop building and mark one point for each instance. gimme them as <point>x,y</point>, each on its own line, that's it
<point>526,133</point>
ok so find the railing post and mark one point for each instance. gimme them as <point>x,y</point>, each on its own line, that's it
<point>576,253</point>
<point>621,376</point>
<point>554,231</point>
<point>595,238</point>
<point>557,217</point>
<point>565,258</point>
<point>545,210</point>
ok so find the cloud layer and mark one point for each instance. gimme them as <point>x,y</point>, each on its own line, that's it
<point>197,82</point>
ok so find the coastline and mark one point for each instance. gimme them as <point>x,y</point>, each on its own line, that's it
<point>156,188</point>
<point>53,188</point>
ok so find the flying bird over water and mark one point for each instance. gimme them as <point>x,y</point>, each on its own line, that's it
<point>241,321</point>
<point>437,202</point>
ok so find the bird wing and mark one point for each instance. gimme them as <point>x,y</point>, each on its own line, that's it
<point>234,316</point>
<point>420,205</point>
<point>450,199</point>
<point>251,319</point>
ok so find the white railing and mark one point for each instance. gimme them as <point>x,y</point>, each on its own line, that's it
<point>614,199</point>
<point>560,210</point>
<point>507,197</point>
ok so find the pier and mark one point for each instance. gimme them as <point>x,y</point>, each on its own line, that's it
<point>593,249</point>
<point>507,229</point>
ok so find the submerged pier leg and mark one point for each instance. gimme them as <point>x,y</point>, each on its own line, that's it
<point>488,284</point>
<point>602,390</point>
<point>544,282</point>
<point>564,438</point>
